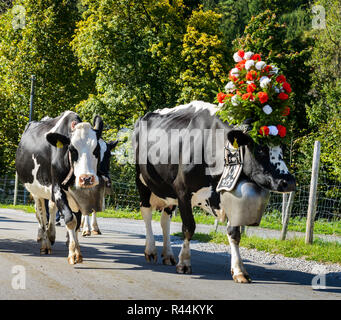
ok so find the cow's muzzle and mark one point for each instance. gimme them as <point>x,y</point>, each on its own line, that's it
<point>286,185</point>
<point>87,181</point>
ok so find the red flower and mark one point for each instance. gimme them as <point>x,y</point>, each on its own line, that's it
<point>281,79</point>
<point>233,78</point>
<point>221,97</point>
<point>251,75</point>
<point>286,86</point>
<point>286,111</point>
<point>267,69</point>
<point>248,95</point>
<point>256,57</point>
<point>251,87</point>
<point>241,53</point>
<point>283,96</point>
<point>282,131</point>
<point>264,131</point>
<point>263,97</point>
<point>241,65</point>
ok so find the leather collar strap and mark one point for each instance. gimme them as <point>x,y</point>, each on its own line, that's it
<point>68,177</point>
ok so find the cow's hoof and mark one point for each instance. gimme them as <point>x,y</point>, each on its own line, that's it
<point>184,269</point>
<point>86,233</point>
<point>71,259</point>
<point>151,257</point>
<point>168,260</point>
<point>45,251</point>
<point>241,278</point>
<point>95,232</point>
<point>79,258</point>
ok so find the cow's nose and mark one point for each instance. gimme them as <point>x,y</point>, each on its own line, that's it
<point>86,180</point>
<point>286,185</point>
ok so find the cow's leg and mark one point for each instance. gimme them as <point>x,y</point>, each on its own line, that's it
<point>238,271</point>
<point>45,244</point>
<point>94,226</point>
<point>85,225</point>
<point>51,231</point>
<point>167,252</point>
<point>72,223</point>
<point>150,251</point>
<point>188,228</point>
<point>72,228</point>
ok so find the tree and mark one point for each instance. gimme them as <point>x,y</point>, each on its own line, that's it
<point>133,47</point>
<point>324,113</point>
<point>204,54</point>
<point>38,44</point>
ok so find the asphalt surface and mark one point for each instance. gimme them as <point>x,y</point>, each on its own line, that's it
<point>114,267</point>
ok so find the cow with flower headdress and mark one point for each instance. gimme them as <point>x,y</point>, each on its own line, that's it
<point>223,158</point>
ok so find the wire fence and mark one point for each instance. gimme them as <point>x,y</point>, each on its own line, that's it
<point>125,196</point>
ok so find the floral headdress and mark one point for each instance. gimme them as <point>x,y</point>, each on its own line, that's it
<point>256,91</point>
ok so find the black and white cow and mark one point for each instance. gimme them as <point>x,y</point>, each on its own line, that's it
<point>179,154</point>
<point>58,159</point>
<point>100,191</point>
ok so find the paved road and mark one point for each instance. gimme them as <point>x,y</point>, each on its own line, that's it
<point>114,268</point>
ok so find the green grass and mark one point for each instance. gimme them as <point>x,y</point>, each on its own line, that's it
<point>322,226</point>
<point>319,251</point>
<point>29,209</point>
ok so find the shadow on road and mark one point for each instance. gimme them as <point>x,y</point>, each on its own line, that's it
<point>206,265</point>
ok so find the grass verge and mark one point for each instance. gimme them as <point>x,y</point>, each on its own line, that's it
<point>319,251</point>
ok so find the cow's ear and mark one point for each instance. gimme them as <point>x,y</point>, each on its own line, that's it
<point>112,144</point>
<point>239,137</point>
<point>98,125</point>
<point>58,140</point>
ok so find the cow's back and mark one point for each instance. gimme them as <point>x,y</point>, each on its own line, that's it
<point>192,122</point>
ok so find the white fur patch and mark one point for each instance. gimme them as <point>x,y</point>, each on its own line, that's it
<point>59,122</point>
<point>35,188</point>
<point>197,105</point>
<point>276,158</point>
<point>84,139</point>
<point>103,147</point>
<point>200,199</point>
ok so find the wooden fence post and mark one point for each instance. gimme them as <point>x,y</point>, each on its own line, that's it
<point>286,215</point>
<point>15,190</point>
<point>313,194</point>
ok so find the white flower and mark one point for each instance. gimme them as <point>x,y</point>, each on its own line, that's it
<point>264,81</point>
<point>273,130</point>
<point>267,109</point>
<point>230,86</point>
<point>248,55</point>
<point>276,89</point>
<point>274,70</point>
<point>237,57</point>
<point>250,81</point>
<point>234,100</point>
<point>260,65</point>
<point>235,72</point>
<point>249,64</point>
